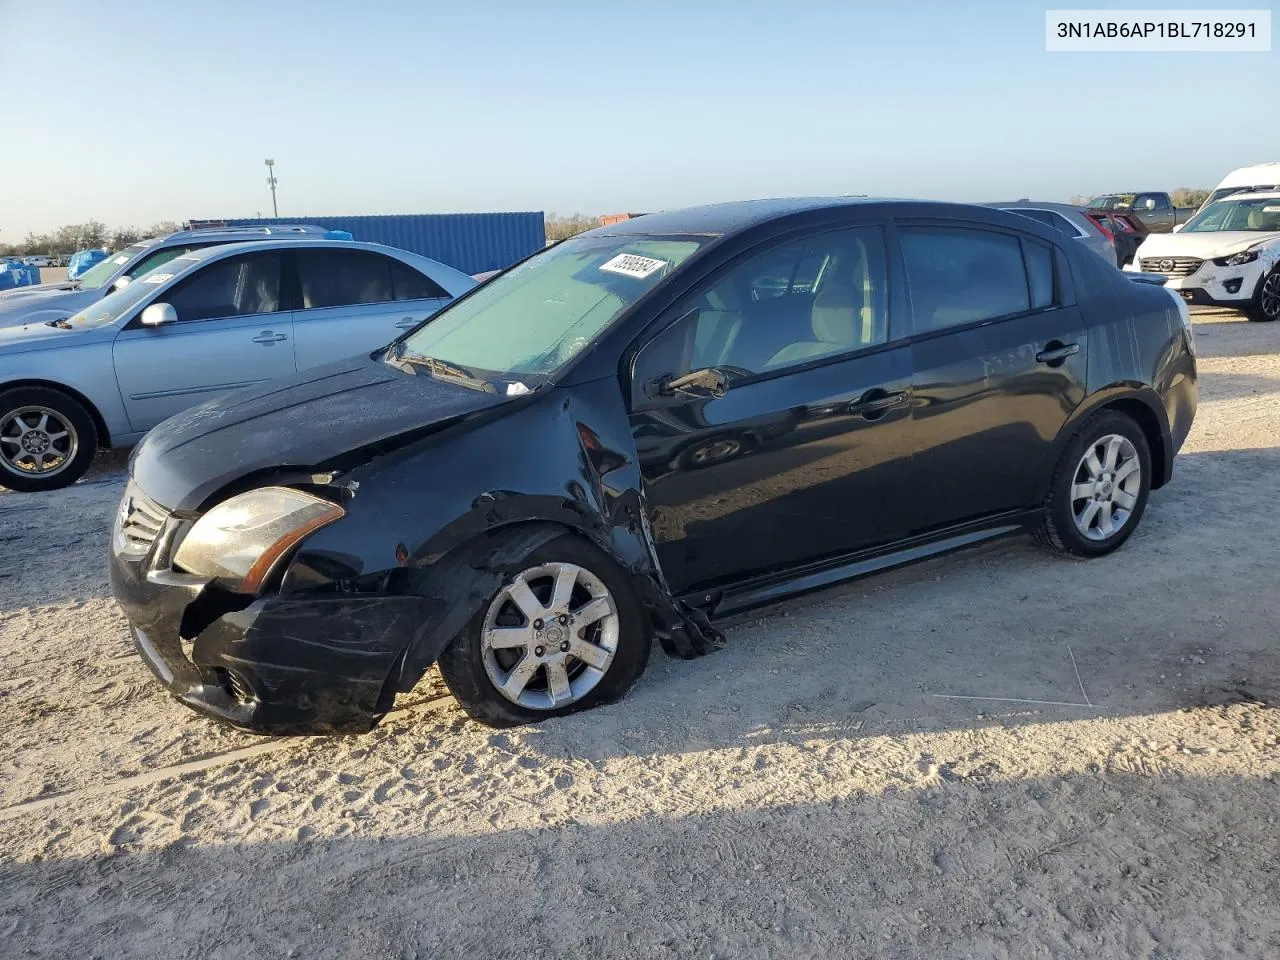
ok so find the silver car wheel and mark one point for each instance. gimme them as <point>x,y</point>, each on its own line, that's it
<point>1106,486</point>
<point>1269,296</point>
<point>549,636</point>
<point>37,442</point>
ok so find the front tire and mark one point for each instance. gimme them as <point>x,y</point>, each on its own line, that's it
<point>1266,302</point>
<point>1099,488</point>
<point>47,439</point>
<point>563,634</point>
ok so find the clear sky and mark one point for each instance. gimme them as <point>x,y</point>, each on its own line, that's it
<point>137,111</point>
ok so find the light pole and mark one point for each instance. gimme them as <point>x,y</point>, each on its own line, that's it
<point>271,182</point>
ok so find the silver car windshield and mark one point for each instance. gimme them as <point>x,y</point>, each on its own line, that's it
<point>537,317</point>
<point>1261,214</point>
<point>100,273</point>
<point>115,304</point>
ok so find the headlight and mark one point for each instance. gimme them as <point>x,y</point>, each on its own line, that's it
<point>238,541</point>
<point>1237,259</point>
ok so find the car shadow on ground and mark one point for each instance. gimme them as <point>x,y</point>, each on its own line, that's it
<point>1101,863</point>
<point>1184,615</point>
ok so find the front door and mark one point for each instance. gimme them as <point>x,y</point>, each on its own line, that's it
<point>354,301</point>
<point>229,333</point>
<point>999,358</point>
<point>804,457</point>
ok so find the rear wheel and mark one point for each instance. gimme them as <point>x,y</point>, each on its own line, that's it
<point>564,634</point>
<point>1099,489</point>
<point>1266,303</point>
<point>47,439</point>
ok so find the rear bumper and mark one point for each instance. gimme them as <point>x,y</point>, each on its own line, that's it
<point>292,664</point>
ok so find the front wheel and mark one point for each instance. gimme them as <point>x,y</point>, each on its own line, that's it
<point>47,439</point>
<point>564,634</point>
<point>1266,303</point>
<point>1099,488</point>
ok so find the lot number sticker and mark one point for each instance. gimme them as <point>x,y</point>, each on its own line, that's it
<point>158,277</point>
<point>632,265</point>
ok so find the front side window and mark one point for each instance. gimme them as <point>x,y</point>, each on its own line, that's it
<point>536,317</point>
<point>958,276</point>
<point>159,259</point>
<point>1260,214</point>
<point>823,296</point>
<point>236,286</point>
<point>1150,201</point>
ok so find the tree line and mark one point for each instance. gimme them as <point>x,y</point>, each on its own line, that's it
<point>84,236</point>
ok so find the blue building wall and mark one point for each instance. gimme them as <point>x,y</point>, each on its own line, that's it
<point>470,242</point>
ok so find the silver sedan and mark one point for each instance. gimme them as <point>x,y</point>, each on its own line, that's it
<point>213,320</point>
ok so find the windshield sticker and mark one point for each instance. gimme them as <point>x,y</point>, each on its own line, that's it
<point>157,277</point>
<point>1271,209</point>
<point>633,265</point>
<point>120,260</point>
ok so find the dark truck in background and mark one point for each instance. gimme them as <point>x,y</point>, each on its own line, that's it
<point>1155,209</point>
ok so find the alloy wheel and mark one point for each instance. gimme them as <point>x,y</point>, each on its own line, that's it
<point>36,442</point>
<point>1269,296</point>
<point>549,636</point>
<point>1105,487</point>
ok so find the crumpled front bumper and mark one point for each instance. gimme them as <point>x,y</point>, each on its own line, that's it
<point>292,664</point>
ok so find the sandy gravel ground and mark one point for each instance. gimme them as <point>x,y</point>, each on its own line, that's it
<point>817,789</point>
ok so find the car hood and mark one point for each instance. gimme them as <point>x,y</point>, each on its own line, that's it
<point>30,303</point>
<point>1202,245</point>
<point>35,291</point>
<point>19,337</point>
<point>297,422</point>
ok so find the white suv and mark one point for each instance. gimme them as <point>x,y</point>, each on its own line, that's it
<point>1227,255</point>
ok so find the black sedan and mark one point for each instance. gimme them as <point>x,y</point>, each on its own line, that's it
<point>631,433</point>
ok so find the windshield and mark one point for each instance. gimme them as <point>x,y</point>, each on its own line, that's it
<point>533,319</point>
<point>101,273</point>
<point>1113,201</point>
<point>1260,214</point>
<point>115,304</point>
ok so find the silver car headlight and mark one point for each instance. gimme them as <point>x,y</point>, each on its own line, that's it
<point>239,541</point>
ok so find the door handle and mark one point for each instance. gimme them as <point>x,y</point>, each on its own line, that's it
<point>268,337</point>
<point>875,402</point>
<point>1055,352</point>
<point>406,323</point>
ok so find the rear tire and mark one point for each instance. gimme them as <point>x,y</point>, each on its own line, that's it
<point>47,439</point>
<point>1266,302</point>
<point>519,638</point>
<point>1099,487</point>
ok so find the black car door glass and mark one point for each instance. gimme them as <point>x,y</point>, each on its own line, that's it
<point>341,278</point>
<point>233,287</point>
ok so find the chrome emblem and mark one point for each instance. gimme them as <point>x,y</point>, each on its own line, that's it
<point>1166,265</point>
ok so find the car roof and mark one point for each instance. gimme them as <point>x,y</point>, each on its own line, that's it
<point>222,234</point>
<point>722,219</point>
<point>1252,195</point>
<point>246,246</point>
<point>725,219</point>
<point>1242,175</point>
<point>1039,205</point>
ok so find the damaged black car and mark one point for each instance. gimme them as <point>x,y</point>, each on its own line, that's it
<point>632,433</point>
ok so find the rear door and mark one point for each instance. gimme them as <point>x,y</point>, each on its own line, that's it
<point>1155,210</point>
<point>999,353</point>
<point>354,301</point>
<point>230,333</point>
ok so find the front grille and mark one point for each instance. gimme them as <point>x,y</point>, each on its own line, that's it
<point>1171,266</point>
<point>140,520</point>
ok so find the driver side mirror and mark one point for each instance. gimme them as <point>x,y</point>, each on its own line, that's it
<point>158,314</point>
<point>122,282</point>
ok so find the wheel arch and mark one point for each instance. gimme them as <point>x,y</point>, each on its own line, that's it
<point>99,422</point>
<point>1141,404</point>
